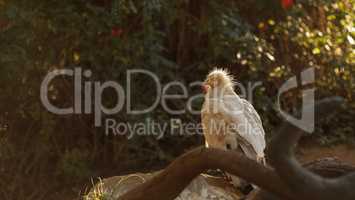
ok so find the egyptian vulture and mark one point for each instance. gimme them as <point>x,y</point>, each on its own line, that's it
<point>230,122</point>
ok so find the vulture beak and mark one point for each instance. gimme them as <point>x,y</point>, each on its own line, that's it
<point>205,88</point>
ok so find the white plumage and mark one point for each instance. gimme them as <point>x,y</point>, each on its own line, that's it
<point>228,121</point>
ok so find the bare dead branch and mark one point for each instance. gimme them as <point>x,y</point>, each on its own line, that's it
<point>304,183</point>
<point>170,182</point>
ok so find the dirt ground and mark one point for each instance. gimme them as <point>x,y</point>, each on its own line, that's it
<point>309,151</point>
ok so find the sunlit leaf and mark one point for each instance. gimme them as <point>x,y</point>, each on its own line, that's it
<point>271,22</point>
<point>271,57</point>
<point>316,51</point>
<point>351,40</point>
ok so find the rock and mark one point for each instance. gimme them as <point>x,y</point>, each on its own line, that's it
<point>203,187</point>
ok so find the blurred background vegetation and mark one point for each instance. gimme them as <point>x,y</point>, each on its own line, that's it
<point>46,156</point>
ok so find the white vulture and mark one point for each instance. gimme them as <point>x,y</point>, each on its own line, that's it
<point>230,122</point>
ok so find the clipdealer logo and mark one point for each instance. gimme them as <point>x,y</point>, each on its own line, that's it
<point>306,122</point>
<point>88,96</point>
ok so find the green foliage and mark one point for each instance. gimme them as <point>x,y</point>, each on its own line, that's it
<point>326,44</point>
<point>74,163</point>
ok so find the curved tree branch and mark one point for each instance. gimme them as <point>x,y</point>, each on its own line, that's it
<point>300,183</point>
<point>169,183</point>
<point>304,183</point>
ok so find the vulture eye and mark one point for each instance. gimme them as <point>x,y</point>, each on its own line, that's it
<point>228,146</point>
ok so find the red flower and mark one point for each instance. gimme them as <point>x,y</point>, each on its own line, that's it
<point>286,4</point>
<point>116,32</point>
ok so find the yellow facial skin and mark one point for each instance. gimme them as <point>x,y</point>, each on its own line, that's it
<point>217,79</point>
